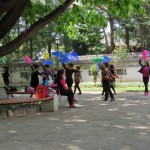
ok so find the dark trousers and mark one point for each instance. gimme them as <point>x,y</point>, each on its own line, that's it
<point>70,95</point>
<point>6,82</point>
<point>145,81</point>
<point>77,87</point>
<point>106,87</point>
<point>112,86</point>
<point>69,83</point>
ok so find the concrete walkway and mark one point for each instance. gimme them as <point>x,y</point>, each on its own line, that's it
<point>94,125</point>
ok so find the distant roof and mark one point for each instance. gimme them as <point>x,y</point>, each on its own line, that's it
<point>88,58</point>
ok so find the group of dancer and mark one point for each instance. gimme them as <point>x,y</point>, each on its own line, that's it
<point>63,80</point>
<point>108,76</point>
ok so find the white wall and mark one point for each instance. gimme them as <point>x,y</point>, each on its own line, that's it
<point>132,75</point>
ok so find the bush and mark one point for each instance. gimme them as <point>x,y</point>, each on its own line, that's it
<point>94,72</point>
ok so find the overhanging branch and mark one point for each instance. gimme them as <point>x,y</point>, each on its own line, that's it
<point>24,36</point>
<point>11,17</point>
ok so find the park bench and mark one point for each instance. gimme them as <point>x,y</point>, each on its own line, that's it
<point>20,92</point>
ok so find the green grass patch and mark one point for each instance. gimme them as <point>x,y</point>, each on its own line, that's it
<point>91,86</point>
<point>128,89</point>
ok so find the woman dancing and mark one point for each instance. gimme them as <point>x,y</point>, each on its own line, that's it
<point>145,72</point>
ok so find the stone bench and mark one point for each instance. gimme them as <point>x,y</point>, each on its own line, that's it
<point>24,106</point>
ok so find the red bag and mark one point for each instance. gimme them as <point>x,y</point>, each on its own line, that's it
<point>41,91</point>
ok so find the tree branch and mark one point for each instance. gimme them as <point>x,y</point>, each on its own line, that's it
<point>101,7</point>
<point>24,36</point>
<point>6,5</point>
<point>11,17</point>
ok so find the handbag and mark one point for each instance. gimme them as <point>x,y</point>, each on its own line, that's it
<point>41,91</point>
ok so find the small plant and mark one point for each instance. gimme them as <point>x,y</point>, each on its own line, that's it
<point>94,72</point>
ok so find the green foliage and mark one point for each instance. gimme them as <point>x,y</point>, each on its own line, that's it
<point>94,72</point>
<point>26,75</point>
<point>82,23</point>
<point>7,60</point>
<point>120,56</point>
<point>36,10</point>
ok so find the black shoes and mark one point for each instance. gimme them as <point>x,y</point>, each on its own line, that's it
<point>104,100</point>
<point>112,100</point>
<point>79,93</point>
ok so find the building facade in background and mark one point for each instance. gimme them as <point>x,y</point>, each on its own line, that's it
<point>128,71</point>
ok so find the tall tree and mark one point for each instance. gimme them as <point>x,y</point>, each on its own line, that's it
<point>97,13</point>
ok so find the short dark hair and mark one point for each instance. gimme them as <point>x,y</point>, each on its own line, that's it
<point>59,75</point>
<point>46,66</point>
<point>111,66</point>
<point>70,64</point>
<point>78,67</point>
<point>106,64</point>
<point>5,67</point>
<point>35,66</point>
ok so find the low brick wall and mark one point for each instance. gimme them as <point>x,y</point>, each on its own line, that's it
<point>15,110</point>
<point>22,107</point>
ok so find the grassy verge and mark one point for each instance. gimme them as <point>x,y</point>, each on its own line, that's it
<point>128,89</point>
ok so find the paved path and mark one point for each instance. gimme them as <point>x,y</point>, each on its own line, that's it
<point>94,125</point>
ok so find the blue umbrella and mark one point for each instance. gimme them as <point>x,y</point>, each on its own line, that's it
<point>105,59</point>
<point>73,57</point>
<point>58,54</point>
<point>48,62</point>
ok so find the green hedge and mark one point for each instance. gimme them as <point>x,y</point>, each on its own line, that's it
<point>118,84</point>
<point>96,85</point>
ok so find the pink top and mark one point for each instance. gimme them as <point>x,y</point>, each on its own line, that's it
<point>53,85</point>
<point>145,71</point>
<point>63,82</point>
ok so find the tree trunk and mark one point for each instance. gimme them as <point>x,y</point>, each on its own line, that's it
<point>112,46</point>
<point>49,49</point>
<point>6,5</point>
<point>106,40</point>
<point>31,48</point>
<point>127,37</point>
<point>141,35</point>
<point>24,36</point>
<point>10,17</point>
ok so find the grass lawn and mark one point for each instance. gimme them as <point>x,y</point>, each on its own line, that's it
<point>128,89</point>
<point>83,88</point>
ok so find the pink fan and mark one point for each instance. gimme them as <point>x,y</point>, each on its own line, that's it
<point>145,53</point>
<point>27,59</point>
